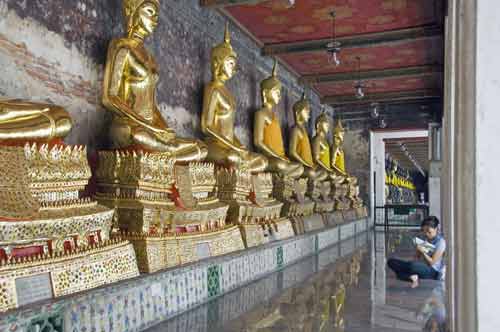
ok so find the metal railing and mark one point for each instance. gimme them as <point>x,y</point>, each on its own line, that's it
<point>400,215</point>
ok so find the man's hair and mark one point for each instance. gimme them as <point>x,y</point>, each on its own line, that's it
<point>431,221</point>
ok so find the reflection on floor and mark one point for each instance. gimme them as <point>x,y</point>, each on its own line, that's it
<point>344,288</point>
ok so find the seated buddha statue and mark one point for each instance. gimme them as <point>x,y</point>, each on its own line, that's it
<point>219,111</point>
<point>129,92</point>
<point>300,145</point>
<point>267,130</point>
<point>337,155</point>
<point>24,121</point>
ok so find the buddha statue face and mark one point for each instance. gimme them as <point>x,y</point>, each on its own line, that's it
<point>148,17</point>
<point>303,115</point>
<point>272,96</point>
<point>228,67</point>
<point>142,17</point>
<point>322,125</point>
<point>338,139</point>
<point>302,111</point>
<point>338,136</point>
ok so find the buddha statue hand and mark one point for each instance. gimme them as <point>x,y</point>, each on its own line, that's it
<point>164,136</point>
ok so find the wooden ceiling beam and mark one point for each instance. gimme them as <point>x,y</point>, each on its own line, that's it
<point>227,3</point>
<point>415,71</point>
<point>381,97</point>
<point>363,40</point>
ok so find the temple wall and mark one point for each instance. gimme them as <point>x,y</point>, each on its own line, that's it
<point>55,51</point>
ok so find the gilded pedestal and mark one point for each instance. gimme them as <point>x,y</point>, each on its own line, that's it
<point>170,212</point>
<point>55,232</point>
<point>251,205</point>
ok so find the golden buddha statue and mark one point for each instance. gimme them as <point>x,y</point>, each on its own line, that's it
<point>338,161</point>
<point>130,90</point>
<point>22,120</point>
<point>267,130</point>
<point>300,145</point>
<point>219,111</point>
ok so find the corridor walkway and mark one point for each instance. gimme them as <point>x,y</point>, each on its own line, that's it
<point>308,296</point>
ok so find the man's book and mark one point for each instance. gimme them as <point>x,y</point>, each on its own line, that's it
<point>428,247</point>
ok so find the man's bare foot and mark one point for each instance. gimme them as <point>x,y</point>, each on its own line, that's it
<point>414,281</point>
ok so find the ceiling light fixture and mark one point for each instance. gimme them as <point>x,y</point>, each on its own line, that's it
<point>360,94</point>
<point>289,3</point>
<point>333,47</point>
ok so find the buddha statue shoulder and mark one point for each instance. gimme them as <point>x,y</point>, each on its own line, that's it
<point>267,136</point>
<point>219,112</point>
<point>130,81</point>
<point>25,121</point>
<point>300,145</point>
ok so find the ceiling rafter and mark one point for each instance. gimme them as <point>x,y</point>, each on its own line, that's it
<point>414,71</point>
<point>382,97</point>
<point>362,40</point>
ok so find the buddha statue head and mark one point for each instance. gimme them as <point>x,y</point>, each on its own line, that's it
<point>338,135</point>
<point>141,17</point>
<point>302,110</point>
<point>322,124</point>
<point>271,88</point>
<point>224,59</point>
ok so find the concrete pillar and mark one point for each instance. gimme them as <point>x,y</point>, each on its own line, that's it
<point>473,127</point>
<point>434,185</point>
<point>487,153</point>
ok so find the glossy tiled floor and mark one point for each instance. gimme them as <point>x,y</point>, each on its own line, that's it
<point>308,296</point>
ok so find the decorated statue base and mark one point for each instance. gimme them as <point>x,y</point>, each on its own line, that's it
<point>340,194</point>
<point>170,212</point>
<point>48,231</point>
<point>27,280</point>
<point>362,212</point>
<point>292,193</point>
<point>319,191</point>
<point>251,205</point>
<point>155,252</point>
<point>308,224</point>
